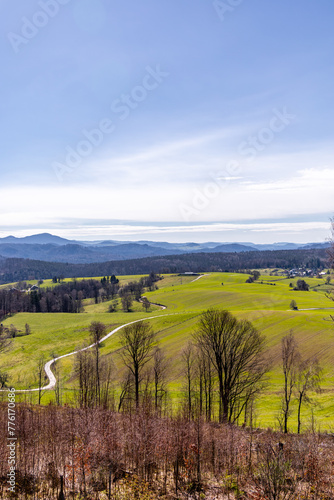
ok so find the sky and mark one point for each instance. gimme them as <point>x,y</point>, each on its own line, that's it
<point>177,120</point>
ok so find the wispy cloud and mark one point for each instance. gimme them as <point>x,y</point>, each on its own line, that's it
<point>156,152</point>
<point>220,232</point>
<point>309,191</point>
<point>175,160</point>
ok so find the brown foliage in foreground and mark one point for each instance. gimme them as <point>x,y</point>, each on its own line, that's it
<point>103,454</point>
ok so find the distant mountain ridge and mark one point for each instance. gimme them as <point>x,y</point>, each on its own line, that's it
<point>48,247</point>
<point>40,239</point>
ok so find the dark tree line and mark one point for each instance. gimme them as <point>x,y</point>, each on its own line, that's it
<point>68,297</point>
<point>12,270</point>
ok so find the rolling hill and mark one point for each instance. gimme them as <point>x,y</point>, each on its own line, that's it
<point>265,303</point>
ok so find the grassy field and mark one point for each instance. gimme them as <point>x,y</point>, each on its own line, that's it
<point>265,303</point>
<point>123,280</point>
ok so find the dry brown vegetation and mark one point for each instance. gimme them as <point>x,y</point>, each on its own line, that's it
<point>104,454</point>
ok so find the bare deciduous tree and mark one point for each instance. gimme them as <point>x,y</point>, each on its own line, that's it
<point>4,344</point>
<point>290,361</point>
<point>40,373</point>
<point>107,369</point>
<point>235,349</point>
<point>85,371</point>
<point>13,331</point>
<point>97,331</point>
<point>138,341</point>
<point>205,382</point>
<point>84,368</point>
<point>146,303</point>
<point>160,371</point>
<point>57,387</point>
<point>3,379</point>
<point>126,389</point>
<point>189,368</point>
<point>308,379</point>
<point>127,302</point>
<point>273,474</point>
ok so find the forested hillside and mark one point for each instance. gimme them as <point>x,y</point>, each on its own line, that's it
<point>21,269</point>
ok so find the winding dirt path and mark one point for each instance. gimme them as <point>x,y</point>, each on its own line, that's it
<point>314,309</point>
<point>153,303</point>
<point>199,277</point>
<point>47,366</point>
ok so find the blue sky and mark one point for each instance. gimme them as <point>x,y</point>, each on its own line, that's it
<point>180,120</point>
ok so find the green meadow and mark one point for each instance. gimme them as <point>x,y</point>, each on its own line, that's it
<point>266,303</point>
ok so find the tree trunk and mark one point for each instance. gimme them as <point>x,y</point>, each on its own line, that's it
<point>286,421</point>
<point>189,398</point>
<point>224,417</point>
<point>156,394</point>
<point>225,411</point>
<point>300,399</point>
<point>97,376</point>
<point>137,385</point>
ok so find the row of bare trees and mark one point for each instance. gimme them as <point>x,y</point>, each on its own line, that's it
<point>94,374</point>
<point>224,368</point>
<point>235,350</point>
